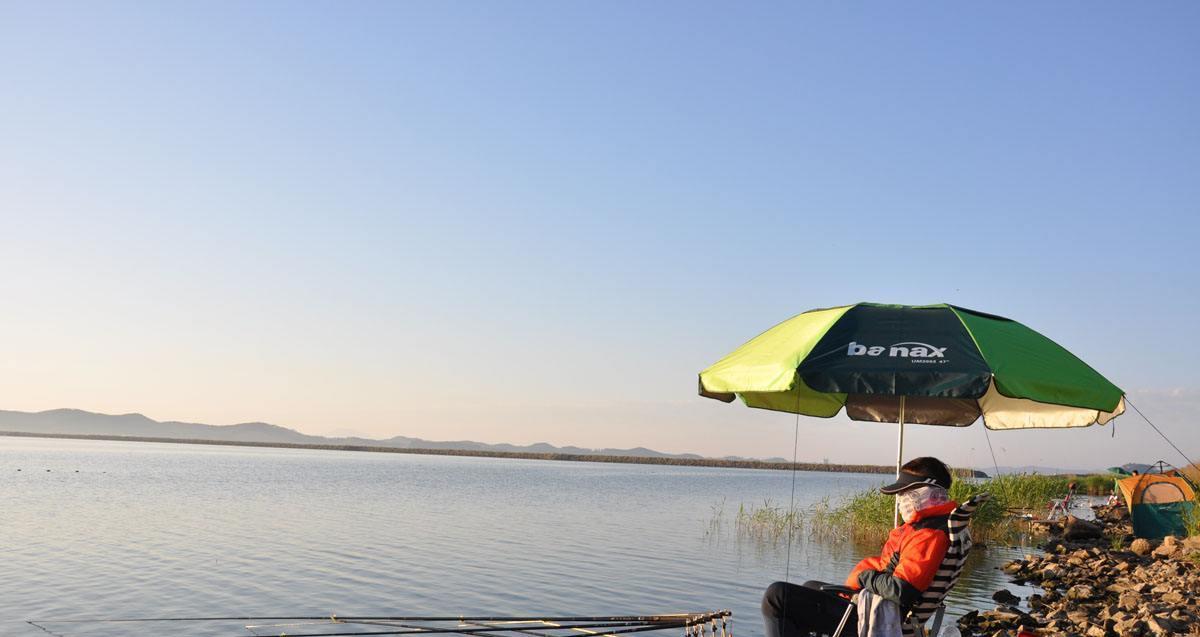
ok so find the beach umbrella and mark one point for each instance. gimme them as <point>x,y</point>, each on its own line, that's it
<point>914,364</point>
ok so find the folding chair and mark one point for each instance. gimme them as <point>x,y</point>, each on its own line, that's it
<point>930,604</point>
<point>1062,506</point>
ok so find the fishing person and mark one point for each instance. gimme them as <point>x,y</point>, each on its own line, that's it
<point>900,573</point>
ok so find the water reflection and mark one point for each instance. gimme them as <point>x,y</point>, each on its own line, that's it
<point>148,530</point>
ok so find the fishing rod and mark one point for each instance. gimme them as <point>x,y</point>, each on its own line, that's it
<point>446,618</point>
<point>695,624</point>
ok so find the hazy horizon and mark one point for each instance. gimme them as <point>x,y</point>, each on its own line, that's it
<point>530,222</point>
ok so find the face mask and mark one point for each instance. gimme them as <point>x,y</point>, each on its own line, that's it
<point>919,499</point>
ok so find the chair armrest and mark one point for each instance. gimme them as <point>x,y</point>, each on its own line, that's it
<point>837,588</point>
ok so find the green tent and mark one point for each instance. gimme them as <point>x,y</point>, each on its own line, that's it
<point>1159,504</point>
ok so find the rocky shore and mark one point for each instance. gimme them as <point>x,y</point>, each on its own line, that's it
<point>1099,581</point>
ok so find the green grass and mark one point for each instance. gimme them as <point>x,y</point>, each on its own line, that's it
<point>862,516</point>
<point>1096,484</point>
<point>1192,521</point>
<point>768,522</point>
<point>868,515</point>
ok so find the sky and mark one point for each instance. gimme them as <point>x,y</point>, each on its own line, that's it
<point>538,221</point>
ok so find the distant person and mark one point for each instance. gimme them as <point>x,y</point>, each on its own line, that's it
<point>902,571</point>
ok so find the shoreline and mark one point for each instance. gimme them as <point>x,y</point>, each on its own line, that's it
<point>516,455</point>
<point>1097,580</point>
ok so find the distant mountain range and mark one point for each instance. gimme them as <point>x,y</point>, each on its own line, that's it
<point>79,422</point>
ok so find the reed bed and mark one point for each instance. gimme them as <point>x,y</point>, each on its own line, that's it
<point>868,515</point>
<point>769,521</point>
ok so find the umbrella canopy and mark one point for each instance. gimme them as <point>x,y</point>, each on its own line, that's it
<point>922,364</point>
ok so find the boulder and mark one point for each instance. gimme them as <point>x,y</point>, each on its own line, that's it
<point>1140,546</point>
<point>1076,529</point>
<point>1005,597</point>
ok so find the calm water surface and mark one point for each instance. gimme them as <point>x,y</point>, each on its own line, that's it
<point>113,529</point>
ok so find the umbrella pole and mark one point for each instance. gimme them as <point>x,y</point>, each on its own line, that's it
<point>899,461</point>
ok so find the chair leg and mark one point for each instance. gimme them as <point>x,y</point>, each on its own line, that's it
<point>845,618</point>
<point>937,621</point>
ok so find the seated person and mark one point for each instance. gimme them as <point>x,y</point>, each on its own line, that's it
<point>902,571</point>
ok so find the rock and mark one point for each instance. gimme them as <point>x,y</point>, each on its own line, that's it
<point>1051,571</point>
<point>1168,547</point>
<point>1130,628</point>
<point>968,620</point>
<point>1130,601</point>
<point>1080,592</point>
<point>1076,529</point>
<point>1160,625</point>
<point>1112,514</point>
<point>1004,596</point>
<point>1093,587</point>
<point>1172,597</point>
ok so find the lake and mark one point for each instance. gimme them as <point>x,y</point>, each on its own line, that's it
<point>97,529</point>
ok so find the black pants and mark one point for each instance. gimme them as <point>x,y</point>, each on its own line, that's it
<point>795,611</point>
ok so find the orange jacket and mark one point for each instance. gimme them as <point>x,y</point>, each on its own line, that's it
<point>913,551</point>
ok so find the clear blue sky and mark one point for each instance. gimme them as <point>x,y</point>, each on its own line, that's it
<point>539,220</point>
